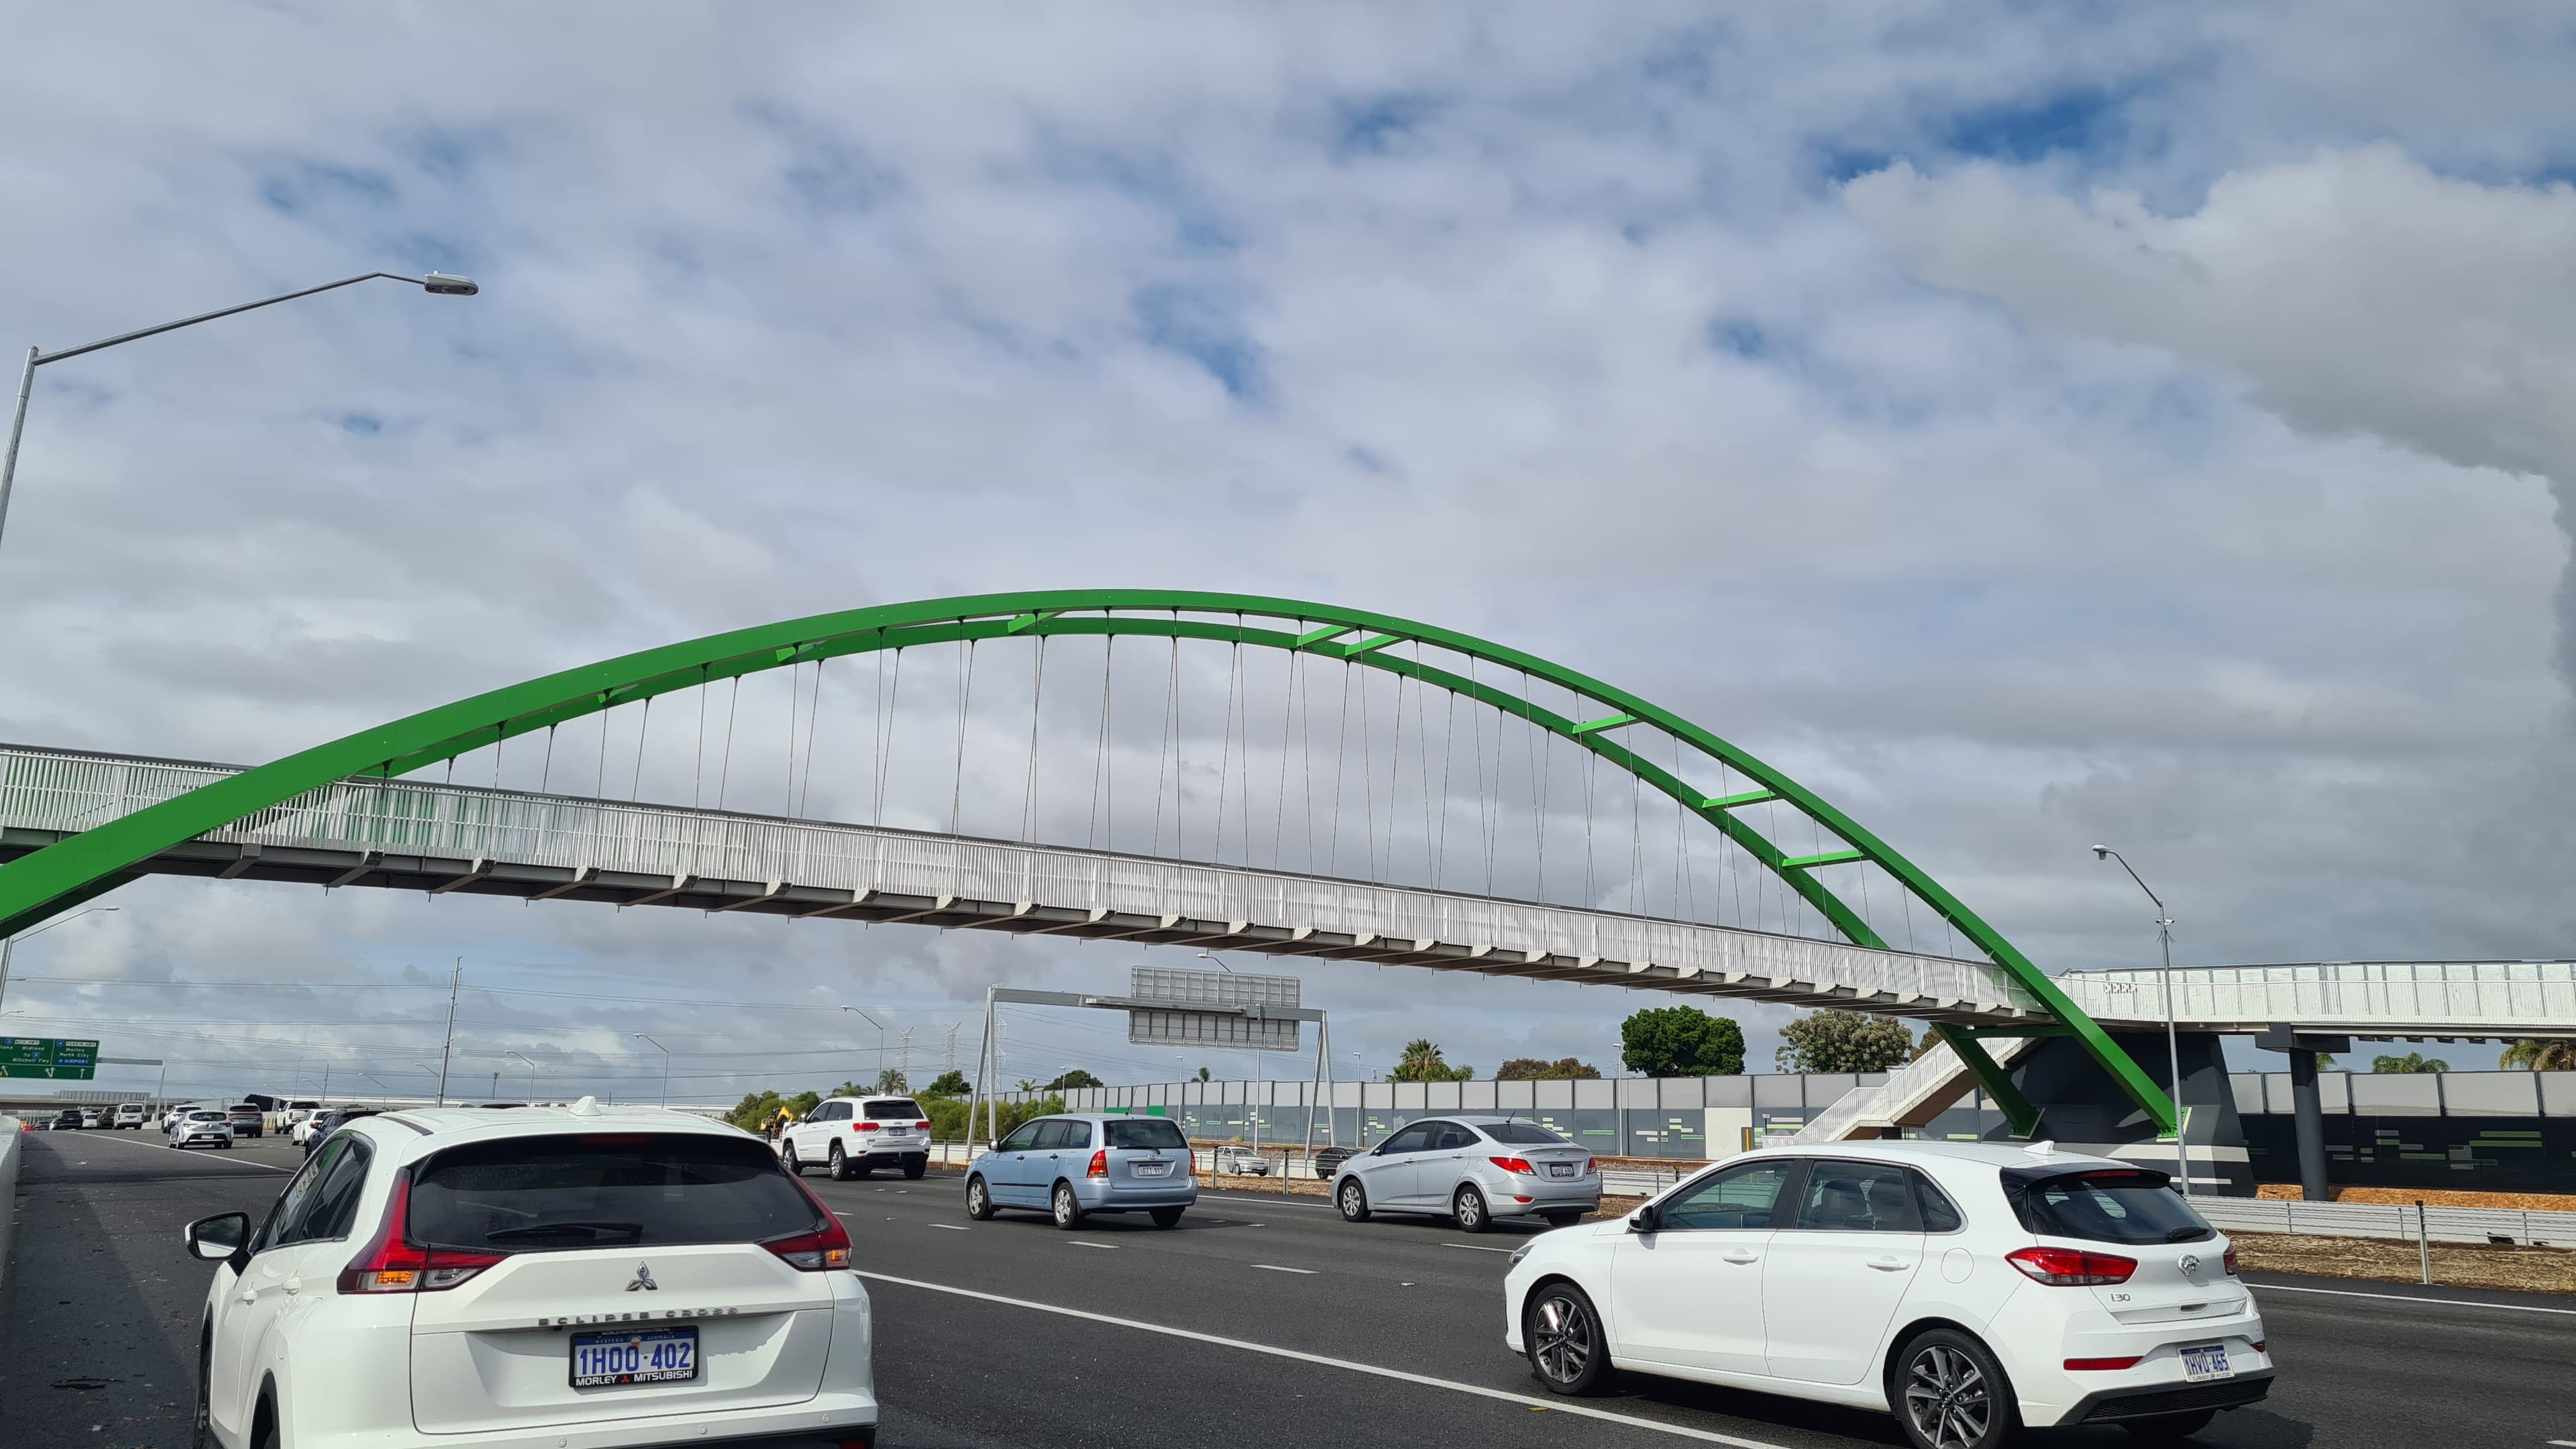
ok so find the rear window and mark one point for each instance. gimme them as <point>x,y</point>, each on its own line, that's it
<point>529,1194</point>
<point>893,1111</point>
<point>2105,1207</point>
<point>1145,1132</point>
<point>1522,1134</point>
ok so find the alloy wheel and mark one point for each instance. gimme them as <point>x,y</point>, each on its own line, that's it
<point>1354,1202</point>
<point>1066,1212</point>
<point>1561,1338</point>
<point>1947,1398</point>
<point>1470,1210</point>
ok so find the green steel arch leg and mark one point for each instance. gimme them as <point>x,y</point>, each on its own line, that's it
<point>52,879</point>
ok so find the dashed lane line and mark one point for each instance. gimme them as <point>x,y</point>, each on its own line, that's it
<point>1478,1248</point>
<point>1560,1406</point>
<point>1275,1268</point>
<point>948,1227</point>
<point>2412,1298</point>
<point>1083,1243</point>
<point>195,1152</point>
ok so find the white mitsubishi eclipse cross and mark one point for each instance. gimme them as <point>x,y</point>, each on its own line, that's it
<point>573,1278</point>
<point>1971,1288</point>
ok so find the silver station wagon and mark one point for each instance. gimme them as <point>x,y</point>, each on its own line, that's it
<point>1472,1169</point>
<point>1072,1167</point>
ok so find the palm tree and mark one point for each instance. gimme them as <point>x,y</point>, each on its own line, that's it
<point>2538,1054</point>
<point>2411,1062</point>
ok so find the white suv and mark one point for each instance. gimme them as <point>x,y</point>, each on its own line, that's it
<point>853,1136</point>
<point>579,1275</point>
<point>1971,1288</point>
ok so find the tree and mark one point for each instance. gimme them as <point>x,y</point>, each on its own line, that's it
<point>1539,1069</point>
<point>1422,1063</point>
<point>1843,1041</point>
<point>892,1080</point>
<point>951,1083</point>
<point>1203,1074</point>
<point>1072,1078</point>
<point>2533,1054</point>
<point>2411,1062</point>
<point>1681,1041</point>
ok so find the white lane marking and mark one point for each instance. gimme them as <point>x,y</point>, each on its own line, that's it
<point>1080,1243</point>
<point>949,1227</point>
<point>2412,1298</point>
<point>1283,1200</point>
<point>1561,1406</point>
<point>1275,1268</point>
<point>1477,1248</point>
<point>200,1152</point>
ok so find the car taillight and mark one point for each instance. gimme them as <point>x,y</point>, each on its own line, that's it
<point>1591,1165</point>
<point>2080,1365</point>
<point>2072,1267</point>
<point>2230,1261</point>
<point>825,1248</point>
<point>920,1126</point>
<point>1514,1164</point>
<point>1099,1164</point>
<point>2258,1345</point>
<point>391,1264</point>
<point>863,1126</point>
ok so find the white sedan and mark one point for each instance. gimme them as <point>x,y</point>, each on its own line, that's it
<point>1969,1288</point>
<point>599,1276</point>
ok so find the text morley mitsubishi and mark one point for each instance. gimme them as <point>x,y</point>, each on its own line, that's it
<point>460,1277</point>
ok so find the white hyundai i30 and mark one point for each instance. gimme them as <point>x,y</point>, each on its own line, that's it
<point>1969,1288</point>
<point>578,1277</point>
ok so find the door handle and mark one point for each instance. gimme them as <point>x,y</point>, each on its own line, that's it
<point>1741,1255</point>
<point>1890,1265</point>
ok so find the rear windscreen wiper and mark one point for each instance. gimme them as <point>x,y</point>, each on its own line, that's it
<point>585,1232</point>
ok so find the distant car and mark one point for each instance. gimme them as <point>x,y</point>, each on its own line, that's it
<point>603,1275</point>
<point>329,1120</point>
<point>93,1118</point>
<point>132,1114</point>
<point>1072,1167</point>
<point>853,1136</point>
<point>1329,1160</point>
<point>247,1119</point>
<point>1241,1162</point>
<point>202,1125</point>
<point>67,1120</point>
<point>1472,1170</point>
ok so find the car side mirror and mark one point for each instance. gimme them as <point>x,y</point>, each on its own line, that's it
<point>1645,1219</point>
<point>219,1237</point>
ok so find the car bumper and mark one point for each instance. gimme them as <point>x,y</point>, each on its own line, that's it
<point>2035,1336</point>
<point>827,1421</point>
<point>1096,1195</point>
<point>893,1150</point>
<point>209,1139</point>
<point>1512,1197</point>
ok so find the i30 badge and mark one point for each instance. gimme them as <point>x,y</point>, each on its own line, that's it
<point>644,1279</point>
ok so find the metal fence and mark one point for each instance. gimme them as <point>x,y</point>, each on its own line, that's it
<point>2389,1220</point>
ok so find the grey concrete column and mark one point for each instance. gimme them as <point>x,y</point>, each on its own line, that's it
<point>2309,1115</point>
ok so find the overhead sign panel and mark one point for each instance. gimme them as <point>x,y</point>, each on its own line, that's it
<point>48,1058</point>
<point>1212,1008</point>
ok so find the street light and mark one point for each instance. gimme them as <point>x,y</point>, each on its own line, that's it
<point>666,1067</point>
<point>880,1026</point>
<point>8,944</point>
<point>532,1078</point>
<point>437,284</point>
<point>2173,1047</point>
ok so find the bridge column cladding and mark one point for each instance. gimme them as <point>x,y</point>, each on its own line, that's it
<point>2307,1108</point>
<point>2082,1109</point>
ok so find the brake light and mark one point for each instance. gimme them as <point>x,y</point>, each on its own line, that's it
<point>1514,1164</point>
<point>2258,1345</point>
<point>1591,1165</point>
<point>2072,1267</point>
<point>2230,1261</point>
<point>2081,1365</point>
<point>825,1248</point>
<point>391,1264</point>
<point>920,1126</point>
<point>864,1126</point>
<point>1099,1164</point>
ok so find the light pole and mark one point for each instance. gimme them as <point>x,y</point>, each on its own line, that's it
<point>10,943</point>
<point>532,1079</point>
<point>666,1066</point>
<point>880,1026</point>
<point>2173,1046</point>
<point>437,284</point>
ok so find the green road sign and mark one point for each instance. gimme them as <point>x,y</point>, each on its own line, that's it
<point>48,1058</point>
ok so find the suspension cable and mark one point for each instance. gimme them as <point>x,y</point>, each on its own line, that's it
<point>643,727</point>
<point>724,770</point>
<point>965,704</point>
<point>1037,705</point>
<point>813,717</point>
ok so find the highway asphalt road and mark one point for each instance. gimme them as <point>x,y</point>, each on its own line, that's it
<point>1259,1322</point>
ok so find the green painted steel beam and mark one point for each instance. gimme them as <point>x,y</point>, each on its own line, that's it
<point>1607,722</point>
<point>2019,1114</point>
<point>41,883</point>
<point>1830,857</point>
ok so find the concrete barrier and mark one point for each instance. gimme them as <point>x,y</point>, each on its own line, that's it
<point>12,1147</point>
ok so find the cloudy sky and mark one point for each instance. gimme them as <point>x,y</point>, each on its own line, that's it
<point>2028,428</point>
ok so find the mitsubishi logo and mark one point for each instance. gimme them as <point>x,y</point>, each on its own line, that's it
<point>644,1279</point>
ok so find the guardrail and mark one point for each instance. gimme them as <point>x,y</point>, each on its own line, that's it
<point>1615,1181</point>
<point>2389,1220</point>
<point>11,1148</point>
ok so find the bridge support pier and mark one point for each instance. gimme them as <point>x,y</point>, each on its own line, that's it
<point>2308,1115</point>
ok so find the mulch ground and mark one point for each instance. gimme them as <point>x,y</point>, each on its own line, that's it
<point>2386,1260</point>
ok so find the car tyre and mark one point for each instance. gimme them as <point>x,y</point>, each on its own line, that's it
<point>203,1435</point>
<point>2169,1428</point>
<point>1950,1393</point>
<point>1562,1334</point>
<point>787,1157</point>
<point>1352,1199</point>
<point>837,1167</point>
<point>979,1199</point>
<point>1168,1217</point>
<point>1066,1207</point>
<point>1469,1208</point>
<point>914,1167</point>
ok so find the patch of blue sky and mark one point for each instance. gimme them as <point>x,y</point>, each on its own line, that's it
<point>1207,329</point>
<point>362,423</point>
<point>297,186</point>
<point>1741,336</point>
<point>443,153</point>
<point>827,173</point>
<point>1380,124</point>
<point>2081,120</point>
<point>1154,182</point>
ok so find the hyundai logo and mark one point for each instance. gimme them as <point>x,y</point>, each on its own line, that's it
<point>644,1279</point>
